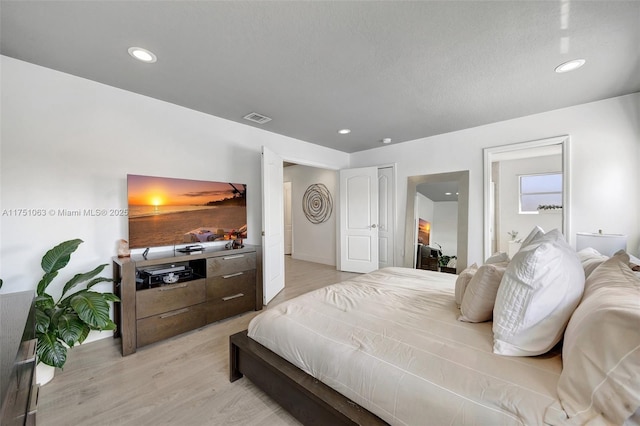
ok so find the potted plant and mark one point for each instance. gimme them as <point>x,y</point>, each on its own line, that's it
<point>443,261</point>
<point>62,323</point>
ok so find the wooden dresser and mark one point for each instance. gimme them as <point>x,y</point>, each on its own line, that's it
<point>223,283</point>
<point>18,389</point>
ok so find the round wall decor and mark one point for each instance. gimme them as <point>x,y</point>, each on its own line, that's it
<point>317,204</point>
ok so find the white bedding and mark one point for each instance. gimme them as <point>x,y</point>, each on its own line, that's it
<point>390,341</point>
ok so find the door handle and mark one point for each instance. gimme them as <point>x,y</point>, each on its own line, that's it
<point>373,226</point>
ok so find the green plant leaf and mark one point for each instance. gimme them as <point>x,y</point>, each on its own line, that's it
<point>45,302</point>
<point>80,278</point>
<point>42,321</point>
<point>98,280</point>
<point>54,260</point>
<point>110,326</point>
<point>50,350</point>
<point>110,297</point>
<point>70,328</point>
<point>85,332</point>
<point>92,308</point>
<point>58,257</point>
<point>45,281</point>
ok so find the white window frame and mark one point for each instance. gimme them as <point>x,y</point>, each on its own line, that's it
<point>520,194</point>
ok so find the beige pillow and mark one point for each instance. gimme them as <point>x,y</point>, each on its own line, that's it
<point>540,289</point>
<point>462,281</point>
<point>480,295</point>
<point>590,259</point>
<point>499,257</point>
<point>601,352</point>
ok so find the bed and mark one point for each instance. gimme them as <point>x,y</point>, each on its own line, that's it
<point>388,348</point>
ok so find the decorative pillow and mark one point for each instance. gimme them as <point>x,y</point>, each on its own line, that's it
<point>590,259</point>
<point>601,350</point>
<point>535,233</point>
<point>462,281</point>
<point>540,289</point>
<point>499,257</point>
<point>480,295</point>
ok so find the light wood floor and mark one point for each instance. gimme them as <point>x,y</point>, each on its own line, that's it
<point>180,381</point>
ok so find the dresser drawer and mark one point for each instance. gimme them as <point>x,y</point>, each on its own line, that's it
<point>229,285</point>
<point>170,297</point>
<point>230,296</point>
<point>234,305</point>
<point>20,387</point>
<point>231,263</point>
<point>168,324</point>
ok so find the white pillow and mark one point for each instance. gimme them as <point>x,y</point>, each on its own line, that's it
<point>462,281</point>
<point>590,259</point>
<point>539,291</point>
<point>499,257</point>
<point>601,350</point>
<point>480,295</point>
<point>535,233</point>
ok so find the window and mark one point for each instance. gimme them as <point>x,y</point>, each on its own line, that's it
<point>541,189</point>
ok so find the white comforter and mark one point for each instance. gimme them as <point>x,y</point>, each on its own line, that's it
<point>391,342</point>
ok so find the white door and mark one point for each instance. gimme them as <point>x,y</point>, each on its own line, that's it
<point>359,220</point>
<point>272,225</point>
<point>288,223</point>
<point>386,217</point>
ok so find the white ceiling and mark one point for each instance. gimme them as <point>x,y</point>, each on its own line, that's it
<point>386,69</point>
<point>437,191</point>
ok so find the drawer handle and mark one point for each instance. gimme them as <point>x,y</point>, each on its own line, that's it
<point>28,351</point>
<point>235,296</point>
<point>33,399</point>
<point>237,256</point>
<point>172,287</point>
<point>171,314</point>
<point>232,275</point>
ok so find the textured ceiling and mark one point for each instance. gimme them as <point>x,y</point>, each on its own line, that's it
<point>389,69</point>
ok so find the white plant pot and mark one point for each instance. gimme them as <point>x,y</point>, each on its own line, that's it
<point>44,373</point>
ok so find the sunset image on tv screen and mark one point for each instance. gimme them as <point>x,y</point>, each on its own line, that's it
<point>168,211</point>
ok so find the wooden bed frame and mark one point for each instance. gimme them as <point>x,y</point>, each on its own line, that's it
<point>307,399</point>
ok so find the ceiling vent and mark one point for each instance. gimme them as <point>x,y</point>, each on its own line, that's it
<point>257,118</point>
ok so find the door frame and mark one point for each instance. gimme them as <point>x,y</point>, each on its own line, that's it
<point>462,177</point>
<point>397,258</point>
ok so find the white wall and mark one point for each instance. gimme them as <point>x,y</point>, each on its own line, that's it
<point>425,208</point>
<point>312,242</point>
<point>444,228</point>
<point>68,143</point>
<point>605,153</point>
<point>509,216</point>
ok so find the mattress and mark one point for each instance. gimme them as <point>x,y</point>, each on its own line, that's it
<point>391,342</point>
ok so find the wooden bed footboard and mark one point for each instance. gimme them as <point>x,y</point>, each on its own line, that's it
<point>307,399</point>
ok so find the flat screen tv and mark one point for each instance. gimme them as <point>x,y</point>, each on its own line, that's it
<point>167,211</point>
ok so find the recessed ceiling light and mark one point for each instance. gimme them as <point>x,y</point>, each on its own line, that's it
<point>447,193</point>
<point>386,140</point>
<point>142,55</point>
<point>570,65</point>
<point>344,131</point>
